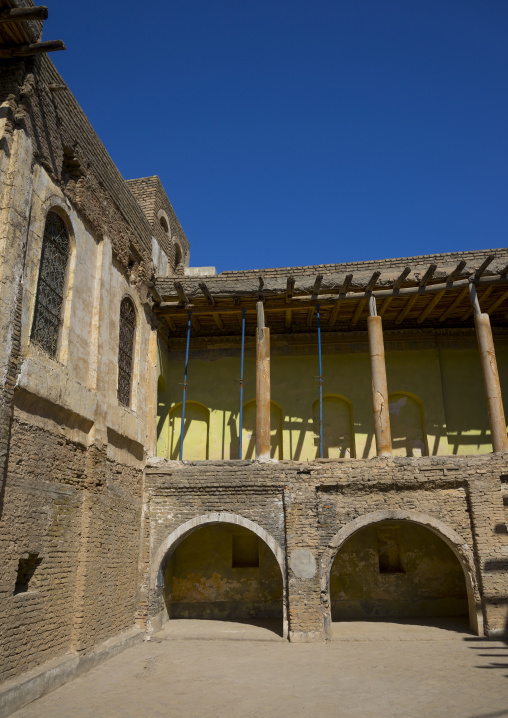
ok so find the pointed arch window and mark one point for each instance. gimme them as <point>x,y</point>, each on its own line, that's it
<point>50,288</point>
<point>126,350</point>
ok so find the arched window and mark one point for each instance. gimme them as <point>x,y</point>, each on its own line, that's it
<point>407,425</point>
<point>126,350</point>
<point>50,289</point>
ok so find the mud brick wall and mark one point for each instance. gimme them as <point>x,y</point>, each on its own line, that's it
<point>81,513</point>
<point>304,505</point>
<point>152,198</point>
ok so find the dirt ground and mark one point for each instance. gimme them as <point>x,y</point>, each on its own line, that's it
<point>209,669</point>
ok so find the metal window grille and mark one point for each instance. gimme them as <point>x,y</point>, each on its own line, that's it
<point>50,289</point>
<point>126,350</point>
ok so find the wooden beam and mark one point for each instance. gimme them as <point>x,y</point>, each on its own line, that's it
<point>439,295</point>
<point>176,308</point>
<point>454,304</point>
<point>171,323</point>
<point>484,265</point>
<point>310,316</point>
<point>218,321</point>
<point>317,284</point>
<point>497,303</point>
<point>289,289</point>
<point>206,292</point>
<point>336,306</point>
<point>195,323</point>
<point>484,296</point>
<point>421,285</point>
<point>181,293</point>
<point>35,48</point>
<point>288,318</point>
<point>397,284</point>
<point>17,14</point>
<point>361,304</point>
<point>54,87</point>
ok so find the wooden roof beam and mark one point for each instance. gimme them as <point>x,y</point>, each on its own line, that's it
<point>421,284</point>
<point>17,14</point>
<point>181,293</point>
<point>439,295</point>
<point>34,48</point>
<point>343,290</point>
<point>315,292</point>
<point>290,285</point>
<point>397,285</point>
<point>206,292</point>
<point>370,286</point>
<point>497,303</point>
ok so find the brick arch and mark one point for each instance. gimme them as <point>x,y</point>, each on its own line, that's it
<point>452,539</point>
<point>161,556</point>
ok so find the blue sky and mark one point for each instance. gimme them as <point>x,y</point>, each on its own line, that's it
<point>293,132</point>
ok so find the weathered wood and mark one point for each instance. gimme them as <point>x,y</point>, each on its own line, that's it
<point>218,321</point>
<point>171,323</point>
<point>484,265</point>
<point>34,48</point>
<point>17,14</point>
<point>491,382</point>
<point>262,385</point>
<point>453,306</point>
<point>181,293</point>
<point>343,290</point>
<point>439,295</point>
<point>368,289</point>
<point>497,303</point>
<point>289,289</point>
<point>317,284</point>
<point>288,318</point>
<point>54,87</point>
<point>379,386</point>
<point>206,292</point>
<point>484,297</point>
<point>475,304</point>
<point>396,285</point>
<point>176,308</point>
<point>195,323</point>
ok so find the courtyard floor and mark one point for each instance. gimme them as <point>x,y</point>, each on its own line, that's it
<point>210,669</point>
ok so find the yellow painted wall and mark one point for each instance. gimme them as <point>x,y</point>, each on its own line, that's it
<point>445,382</point>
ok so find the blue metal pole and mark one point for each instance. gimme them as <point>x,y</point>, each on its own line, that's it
<point>241,385</point>
<point>185,383</point>
<point>320,380</point>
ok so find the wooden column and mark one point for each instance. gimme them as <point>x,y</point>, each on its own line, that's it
<point>490,375</point>
<point>262,386</point>
<point>379,383</point>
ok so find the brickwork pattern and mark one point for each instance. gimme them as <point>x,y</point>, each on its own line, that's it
<point>304,505</point>
<point>81,513</point>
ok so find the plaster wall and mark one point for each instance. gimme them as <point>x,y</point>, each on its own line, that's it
<point>444,380</point>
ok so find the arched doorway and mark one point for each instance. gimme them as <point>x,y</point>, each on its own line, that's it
<point>221,567</point>
<point>398,565</point>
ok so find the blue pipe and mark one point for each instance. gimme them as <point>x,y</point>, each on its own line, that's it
<point>320,380</point>
<point>241,385</point>
<point>185,384</point>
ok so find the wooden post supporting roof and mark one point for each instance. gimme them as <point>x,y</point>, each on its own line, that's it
<point>379,383</point>
<point>491,383</point>
<point>262,386</point>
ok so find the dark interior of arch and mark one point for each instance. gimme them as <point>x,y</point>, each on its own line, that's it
<point>396,570</point>
<point>223,572</point>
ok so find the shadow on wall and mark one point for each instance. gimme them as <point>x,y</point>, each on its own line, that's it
<point>338,427</point>
<point>396,570</point>
<point>249,431</point>
<point>223,572</point>
<point>195,434</point>
<point>407,424</point>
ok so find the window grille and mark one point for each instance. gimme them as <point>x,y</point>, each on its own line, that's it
<point>126,350</point>
<point>50,289</point>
